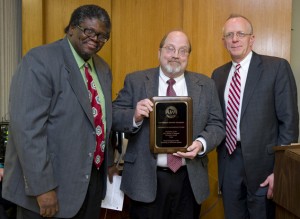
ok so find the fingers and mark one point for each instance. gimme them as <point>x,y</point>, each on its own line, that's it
<point>143,109</point>
<point>190,154</point>
<point>192,150</point>
<point>265,183</point>
<point>48,204</point>
<point>111,172</point>
<point>196,147</point>
<point>270,194</point>
<point>269,182</point>
<point>48,211</point>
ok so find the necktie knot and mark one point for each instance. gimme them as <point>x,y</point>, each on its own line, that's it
<point>170,90</point>
<point>86,69</point>
<point>237,67</point>
<point>171,81</point>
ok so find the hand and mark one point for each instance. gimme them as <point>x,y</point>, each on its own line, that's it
<point>143,108</point>
<point>48,204</point>
<point>113,170</point>
<point>269,181</point>
<point>1,174</point>
<point>192,151</point>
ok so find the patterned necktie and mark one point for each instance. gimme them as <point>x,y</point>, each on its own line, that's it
<point>97,113</point>
<point>232,110</point>
<point>174,162</point>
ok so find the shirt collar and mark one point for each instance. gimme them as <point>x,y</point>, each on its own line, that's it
<point>245,61</point>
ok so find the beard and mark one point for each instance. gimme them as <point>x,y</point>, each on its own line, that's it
<point>173,69</point>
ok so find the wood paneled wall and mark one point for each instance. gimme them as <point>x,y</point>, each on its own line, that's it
<point>139,25</point>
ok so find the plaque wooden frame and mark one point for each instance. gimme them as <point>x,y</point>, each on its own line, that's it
<point>171,124</point>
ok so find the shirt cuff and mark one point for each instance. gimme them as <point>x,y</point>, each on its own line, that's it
<point>202,140</point>
<point>136,124</point>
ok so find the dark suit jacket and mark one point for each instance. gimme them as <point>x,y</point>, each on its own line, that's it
<point>52,135</point>
<point>139,175</point>
<point>269,115</point>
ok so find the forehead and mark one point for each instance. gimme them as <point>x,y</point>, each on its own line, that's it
<point>92,22</point>
<point>177,39</point>
<point>236,24</point>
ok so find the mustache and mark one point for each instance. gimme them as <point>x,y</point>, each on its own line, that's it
<point>174,60</point>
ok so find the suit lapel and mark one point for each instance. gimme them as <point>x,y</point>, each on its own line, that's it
<point>193,85</point>
<point>102,77</point>
<point>105,80</point>
<point>76,80</point>
<point>151,82</point>
<point>224,78</point>
<point>254,74</point>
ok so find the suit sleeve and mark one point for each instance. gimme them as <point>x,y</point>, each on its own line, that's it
<point>286,104</point>
<point>124,108</point>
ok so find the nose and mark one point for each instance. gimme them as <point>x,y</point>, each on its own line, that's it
<point>176,54</point>
<point>235,37</point>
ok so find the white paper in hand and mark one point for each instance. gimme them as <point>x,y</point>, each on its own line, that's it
<point>114,196</point>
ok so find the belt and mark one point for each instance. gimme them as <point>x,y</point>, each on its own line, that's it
<point>167,169</point>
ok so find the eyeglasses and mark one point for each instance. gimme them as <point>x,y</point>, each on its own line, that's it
<point>238,34</point>
<point>182,52</point>
<point>91,33</point>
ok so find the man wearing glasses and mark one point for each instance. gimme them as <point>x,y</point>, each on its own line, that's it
<point>60,118</point>
<point>156,189</point>
<point>258,95</point>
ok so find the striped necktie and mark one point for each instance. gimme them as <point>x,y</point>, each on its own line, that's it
<point>232,110</point>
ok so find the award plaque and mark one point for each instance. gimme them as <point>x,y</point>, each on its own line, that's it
<point>171,124</point>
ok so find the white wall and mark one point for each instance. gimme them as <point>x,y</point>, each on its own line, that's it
<point>295,45</point>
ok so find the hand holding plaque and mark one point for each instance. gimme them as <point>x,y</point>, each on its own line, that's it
<point>171,124</point>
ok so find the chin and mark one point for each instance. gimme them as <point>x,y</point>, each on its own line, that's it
<point>85,56</point>
<point>173,70</point>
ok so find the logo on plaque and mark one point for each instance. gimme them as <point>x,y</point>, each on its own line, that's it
<point>171,112</point>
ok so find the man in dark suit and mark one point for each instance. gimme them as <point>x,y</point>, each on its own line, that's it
<point>50,165</point>
<point>155,190</point>
<point>267,116</point>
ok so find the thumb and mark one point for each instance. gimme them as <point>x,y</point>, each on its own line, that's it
<point>265,183</point>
